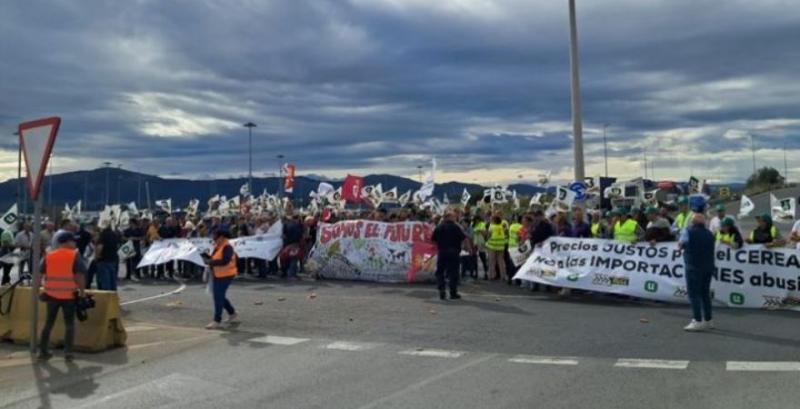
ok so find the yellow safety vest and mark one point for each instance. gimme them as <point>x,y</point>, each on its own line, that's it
<point>513,234</point>
<point>726,238</point>
<point>773,233</point>
<point>626,231</point>
<point>681,219</point>
<point>595,230</point>
<point>497,237</point>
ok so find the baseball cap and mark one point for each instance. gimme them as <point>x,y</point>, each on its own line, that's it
<point>651,210</point>
<point>720,207</point>
<point>727,222</point>
<point>65,237</point>
<point>765,217</point>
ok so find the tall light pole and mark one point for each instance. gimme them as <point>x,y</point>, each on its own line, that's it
<point>250,127</point>
<point>785,165</point>
<point>753,150</point>
<point>119,182</point>
<point>644,155</point>
<point>419,173</point>
<point>108,168</point>
<point>577,126</point>
<point>20,210</point>
<point>280,174</point>
<point>605,147</point>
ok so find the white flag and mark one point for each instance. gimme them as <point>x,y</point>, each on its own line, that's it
<point>404,198</point>
<point>465,197</point>
<point>445,199</point>
<point>499,195</point>
<point>649,197</point>
<point>565,196</point>
<point>10,219</point>
<point>784,211</point>
<point>426,190</point>
<point>76,210</point>
<point>746,206</point>
<point>545,178</point>
<point>244,190</point>
<point>324,189</point>
<point>390,196</point>
<point>515,200</point>
<point>192,208</point>
<point>124,219</point>
<point>165,205</point>
<point>126,251</point>
<point>131,208</point>
<point>535,200</point>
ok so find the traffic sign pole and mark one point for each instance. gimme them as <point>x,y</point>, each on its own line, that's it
<point>36,281</point>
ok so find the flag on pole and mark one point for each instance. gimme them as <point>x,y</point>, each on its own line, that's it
<point>784,211</point>
<point>244,190</point>
<point>404,198</point>
<point>10,219</point>
<point>131,208</point>
<point>352,188</point>
<point>288,182</point>
<point>746,206</point>
<point>465,197</point>
<point>165,205</point>
<point>515,200</point>
<point>426,190</point>
<point>565,196</point>
<point>126,251</point>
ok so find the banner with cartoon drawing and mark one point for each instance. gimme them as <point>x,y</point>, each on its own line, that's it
<point>369,251</point>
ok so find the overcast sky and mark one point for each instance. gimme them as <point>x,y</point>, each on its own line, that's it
<point>380,86</point>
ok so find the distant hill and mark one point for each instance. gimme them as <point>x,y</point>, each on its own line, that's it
<point>126,186</point>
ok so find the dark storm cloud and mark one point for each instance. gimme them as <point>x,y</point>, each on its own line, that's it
<point>383,85</point>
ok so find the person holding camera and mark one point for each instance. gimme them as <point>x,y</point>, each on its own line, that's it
<point>63,273</point>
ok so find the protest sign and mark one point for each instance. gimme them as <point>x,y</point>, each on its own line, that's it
<point>752,277</point>
<point>368,250</point>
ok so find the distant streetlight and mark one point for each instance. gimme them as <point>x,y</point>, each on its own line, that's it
<point>108,167</point>
<point>119,183</point>
<point>419,172</point>
<point>605,147</point>
<point>753,150</point>
<point>280,173</point>
<point>785,165</point>
<point>250,127</point>
<point>19,176</point>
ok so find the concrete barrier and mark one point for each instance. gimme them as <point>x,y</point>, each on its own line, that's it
<point>101,331</point>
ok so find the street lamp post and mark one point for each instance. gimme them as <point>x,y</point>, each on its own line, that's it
<point>577,126</point>
<point>20,210</point>
<point>108,168</point>
<point>785,165</point>
<point>250,127</point>
<point>753,150</point>
<point>280,174</point>
<point>419,172</point>
<point>605,147</point>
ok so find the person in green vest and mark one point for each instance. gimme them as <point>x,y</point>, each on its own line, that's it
<point>684,216</point>
<point>766,233</point>
<point>596,227</point>
<point>729,234</point>
<point>479,241</point>
<point>627,228</point>
<point>496,242</point>
<point>513,242</point>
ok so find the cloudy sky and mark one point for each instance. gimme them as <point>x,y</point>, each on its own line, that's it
<point>369,86</point>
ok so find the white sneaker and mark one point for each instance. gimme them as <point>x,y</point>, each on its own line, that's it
<point>233,319</point>
<point>709,324</point>
<point>694,326</point>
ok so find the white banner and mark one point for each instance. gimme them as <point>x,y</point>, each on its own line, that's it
<point>164,251</point>
<point>752,277</point>
<point>263,246</point>
<point>367,250</point>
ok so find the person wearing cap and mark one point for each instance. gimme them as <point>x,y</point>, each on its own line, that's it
<point>106,257</point>
<point>596,224</point>
<point>448,238</point>
<point>626,228</point>
<point>684,215</point>
<point>697,244</point>
<point>63,272</point>
<point>658,229</point>
<point>222,262</point>
<point>729,234</point>
<point>716,222</point>
<point>766,233</point>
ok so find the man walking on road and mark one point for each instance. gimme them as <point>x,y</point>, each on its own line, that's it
<point>63,272</point>
<point>448,237</point>
<point>223,266</point>
<point>697,243</point>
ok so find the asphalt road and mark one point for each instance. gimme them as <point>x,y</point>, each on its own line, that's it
<point>358,345</point>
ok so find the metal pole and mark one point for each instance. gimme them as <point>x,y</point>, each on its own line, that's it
<point>577,126</point>
<point>108,195</point>
<point>280,175</point>
<point>147,191</point>
<point>250,163</point>
<point>19,176</point>
<point>753,150</point>
<point>644,153</point>
<point>34,268</point>
<point>785,165</point>
<point>50,183</point>
<point>139,191</point>
<point>605,147</point>
<point>85,192</point>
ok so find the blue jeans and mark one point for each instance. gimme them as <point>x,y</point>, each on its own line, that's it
<point>698,286</point>
<point>107,272</point>
<point>220,301</point>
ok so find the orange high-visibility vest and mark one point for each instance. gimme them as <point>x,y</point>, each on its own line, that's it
<point>59,275</point>
<point>228,270</point>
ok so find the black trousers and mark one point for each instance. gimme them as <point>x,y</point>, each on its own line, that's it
<point>6,273</point>
<point>447,274</point>
<point>130,266</point>
<point>68,309</point>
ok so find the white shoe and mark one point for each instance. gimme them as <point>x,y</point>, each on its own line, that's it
<point>233,319</point>
<point>213,325</point>
<point>709,324</point>
<point>694,326</point>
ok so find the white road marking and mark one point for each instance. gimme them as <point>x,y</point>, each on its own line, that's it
<point>139,328</point>
<point>348,346</point>
<point>275,340</point>
<point>544,360</point>
<point>435,353</point>
<point>171,388</point>
<point>651,363</point>
<point>173,292</point>
<point>765,366</point>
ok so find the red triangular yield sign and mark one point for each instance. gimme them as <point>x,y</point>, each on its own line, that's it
<point>37,139</point>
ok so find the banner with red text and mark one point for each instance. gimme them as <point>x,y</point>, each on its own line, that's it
<point>369,251</point>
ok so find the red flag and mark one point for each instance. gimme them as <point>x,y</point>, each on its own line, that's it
<point>288,184</point>
<point>423,257</point>
<point>351,191</point>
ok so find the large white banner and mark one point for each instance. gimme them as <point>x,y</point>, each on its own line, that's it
<point>368,250</point>
<point>262,246</point>
<point>752,277</point>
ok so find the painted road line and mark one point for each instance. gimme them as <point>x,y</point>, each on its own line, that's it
<point>348,346</point>
<point>139,328</point>
<point>544,360</point>
<point>173,292</point>
<point>764,366</point>
<point>275,340</point>
<point>651,363</point>
<point>435,353</point>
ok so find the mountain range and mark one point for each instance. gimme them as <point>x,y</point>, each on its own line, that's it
<point>97,187</point>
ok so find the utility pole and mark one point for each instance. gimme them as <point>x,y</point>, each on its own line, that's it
<point>250,127</point>
<point>108,167</point>
<point>785,165</point>
<point>20,210</point>
<point>419,172</point>
<point>280,175</point>
<point>644,154</point>
<point>753,150</point>
<point>605,147</point>
<point>577,126</point>
<point>119,183</point>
